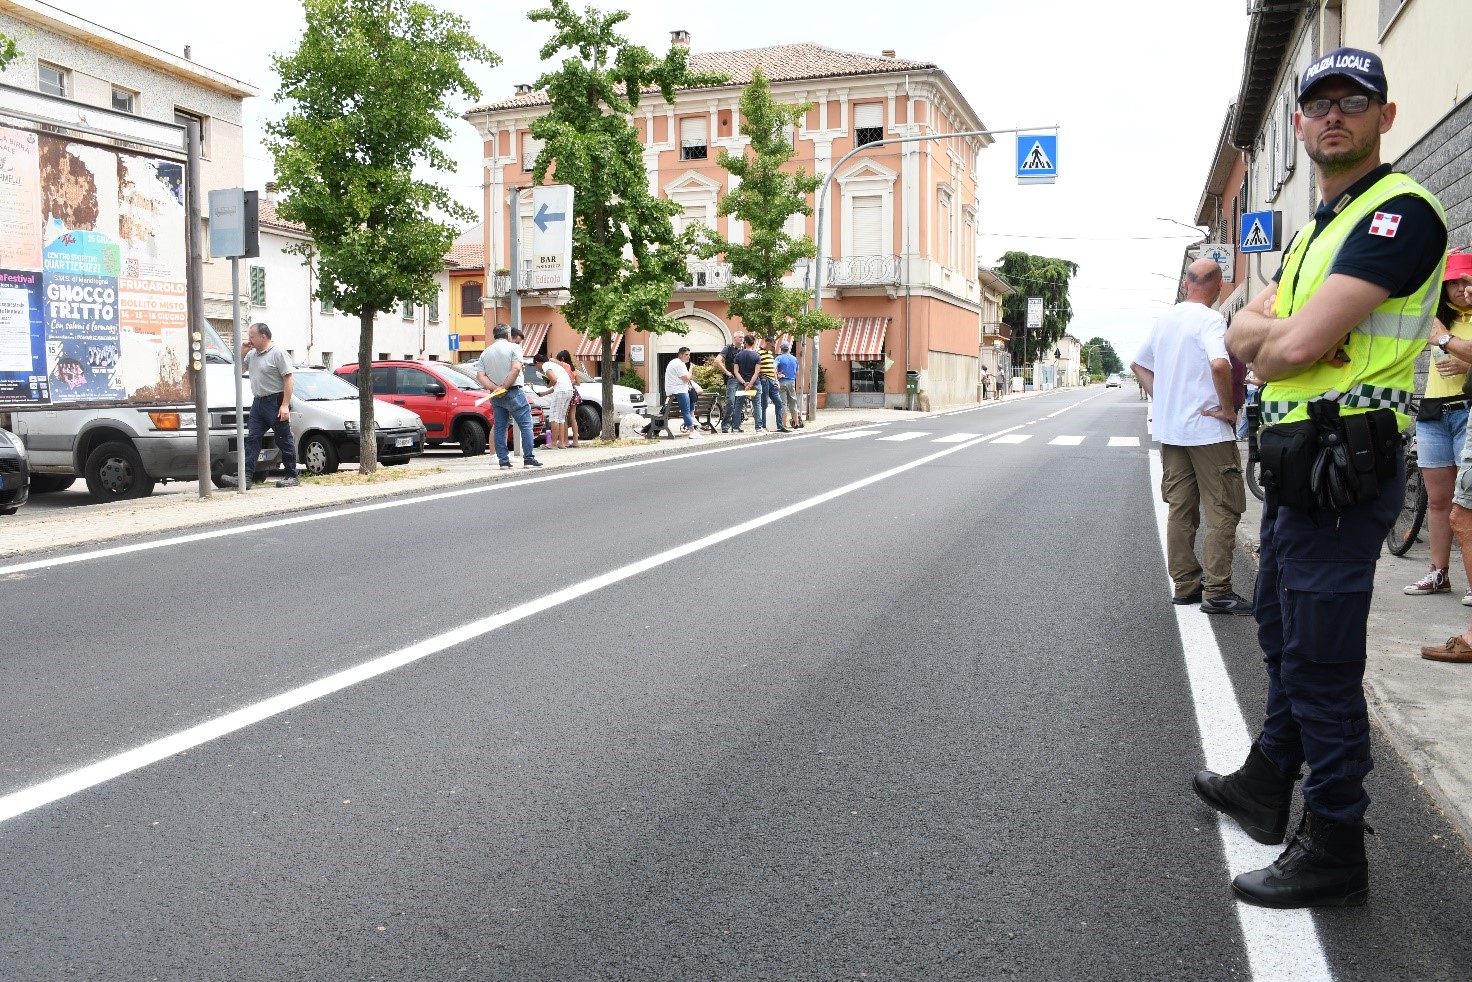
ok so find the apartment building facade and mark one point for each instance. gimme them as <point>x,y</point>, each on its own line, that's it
<point>899,237</point>
<point>66,56</point>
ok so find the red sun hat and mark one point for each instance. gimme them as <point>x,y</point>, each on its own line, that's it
<point>1458,264</point>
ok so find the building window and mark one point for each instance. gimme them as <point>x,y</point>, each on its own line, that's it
<point>258,286</point>
<point>470,294</point>
<point>408,311</point>
<point>124,101</point>
<point>531,147</point>
<point>868,123</point>
<point>52,79</point>
<point>328,307</point>
<point>694,138</point>
<point>434,309</point>
<point>326,359</point>
<point>1388,10</point>
<point>182,118</point>
<point>868,237</point>
<point>866,376</point>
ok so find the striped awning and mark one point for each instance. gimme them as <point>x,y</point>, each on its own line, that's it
<point>861,339</point>
<point>536,335</point>
<point>786,339</point>
<point>593,347</point>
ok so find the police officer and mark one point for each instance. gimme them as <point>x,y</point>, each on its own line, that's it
<point>1348,312</point>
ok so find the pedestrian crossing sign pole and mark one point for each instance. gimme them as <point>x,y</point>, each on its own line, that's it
<point>1037,158</point>
<point>1261,231</point>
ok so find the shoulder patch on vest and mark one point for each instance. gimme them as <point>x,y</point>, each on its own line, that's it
<point>1384,223</point>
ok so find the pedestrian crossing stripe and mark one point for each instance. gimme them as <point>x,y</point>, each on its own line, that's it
<point>1013,438</point>
<point>901,437</point>
<point>1257,237</point>
<point>956,438</point>
<point>1036,159</point>
<point>1065,441</point>
<point>1124,441</point>
<point>852,434</point>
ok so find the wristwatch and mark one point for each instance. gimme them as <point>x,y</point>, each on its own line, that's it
<point>1441,342</point>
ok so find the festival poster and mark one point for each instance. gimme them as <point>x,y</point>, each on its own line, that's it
<point>22,343</point>
<point>82,341</point>
<point>20,200</point>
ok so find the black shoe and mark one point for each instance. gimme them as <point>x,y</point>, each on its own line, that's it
<point>230,481</point>
<point>1181,599</point>
<point>783,429</point>
<point>531,462</point>
<point>1228,603</point>
<point>505,465</point>
<point>290,481</point>
<point>1323,866</point>
<point>1256,796</point>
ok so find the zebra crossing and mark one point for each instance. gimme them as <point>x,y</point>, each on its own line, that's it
<point>1006,439</point>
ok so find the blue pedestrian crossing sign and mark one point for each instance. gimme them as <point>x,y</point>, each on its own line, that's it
<point>1037,158</point>
<point>1262,231</point>
<point>454,342</point>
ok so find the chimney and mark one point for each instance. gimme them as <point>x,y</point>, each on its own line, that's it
<point>523,89</point>
<point>188,53</point>
<point>679,39</point>
<point>887,52</point>
<point>270,194</point>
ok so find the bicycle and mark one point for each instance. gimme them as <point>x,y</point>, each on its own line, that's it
<point>1254,454</point>
<point>1406,529</point>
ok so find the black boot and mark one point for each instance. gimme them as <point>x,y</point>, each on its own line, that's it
<point>1323,866</point>
<point>1256,796</point>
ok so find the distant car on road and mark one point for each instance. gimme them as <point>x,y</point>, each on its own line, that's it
<point>324,420</point>
<point>15,473</point>
<point>1114,382</point>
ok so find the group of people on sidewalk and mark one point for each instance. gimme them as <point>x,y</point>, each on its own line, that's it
<point>754,374</point>
<point>1334,338</point>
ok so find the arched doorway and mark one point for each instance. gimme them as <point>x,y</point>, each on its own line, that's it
<point>705,339</point>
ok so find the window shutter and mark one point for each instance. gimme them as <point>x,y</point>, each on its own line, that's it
<point>1290,140</point>
<point>868,115</point>
<point>408,311</point>
<point>470,295</point>
<point>258,286</point>
<point>530,148</point>
<point>434,309</point>
<point>693,138</point>
<point>868,237</point>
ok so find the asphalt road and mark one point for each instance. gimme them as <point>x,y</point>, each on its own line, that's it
<point>814,708</point>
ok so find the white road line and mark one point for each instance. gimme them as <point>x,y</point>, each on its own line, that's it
<point>1065,441</point>
<point>902,437</point>
<point>29,799</point>
<point>1013,438</point>
<point>401,502</point>
<point>1124,441</point>
<point>851,434</point>
<point>956,438</point>
<point>1282,945</point>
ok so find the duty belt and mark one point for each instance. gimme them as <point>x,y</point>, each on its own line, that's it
<point>1359,397</point>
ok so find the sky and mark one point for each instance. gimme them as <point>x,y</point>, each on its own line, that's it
<point>1139,92</point>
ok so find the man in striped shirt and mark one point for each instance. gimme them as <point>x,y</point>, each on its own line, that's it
<point>768,389</point>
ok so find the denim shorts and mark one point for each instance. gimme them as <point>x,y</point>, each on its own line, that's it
<point>1439,441</point>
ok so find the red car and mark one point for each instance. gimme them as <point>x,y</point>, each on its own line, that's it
<point>453,405</point>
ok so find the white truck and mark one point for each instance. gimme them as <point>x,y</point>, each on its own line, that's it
<point>124,452</point>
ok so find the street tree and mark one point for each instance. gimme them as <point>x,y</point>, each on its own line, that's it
<point>1101,358</point>
<point>1036,276</point>
<point>8,50</point>
<point>369,90</point>
<point>766,196</point>
<point>626,257</point>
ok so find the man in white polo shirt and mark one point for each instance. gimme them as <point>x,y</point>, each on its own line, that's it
<point>1185,368</point>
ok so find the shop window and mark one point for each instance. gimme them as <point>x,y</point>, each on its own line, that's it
<point>866,376</point>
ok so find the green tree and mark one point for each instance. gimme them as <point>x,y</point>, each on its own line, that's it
<point>1036,276</point>
<point>626,255</point>
<point>765,198</point>
<point>8,50</point>
<point>1101,359</point>
<point>369,88</point>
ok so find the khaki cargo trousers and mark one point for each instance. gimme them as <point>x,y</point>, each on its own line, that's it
<point>1202,482</point>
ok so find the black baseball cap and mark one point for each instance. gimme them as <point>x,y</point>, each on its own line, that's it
<point>1363,68</point>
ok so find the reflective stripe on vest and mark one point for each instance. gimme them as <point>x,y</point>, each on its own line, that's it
<point>1382,348</point>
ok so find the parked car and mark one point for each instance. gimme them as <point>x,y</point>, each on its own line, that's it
<point>590,412</point>
<point>324,421</point>
<point>454,407</point>
<point>15,473</point>
<point>1114,382</point>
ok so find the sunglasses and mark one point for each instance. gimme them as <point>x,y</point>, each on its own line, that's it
<point>1349,105</point>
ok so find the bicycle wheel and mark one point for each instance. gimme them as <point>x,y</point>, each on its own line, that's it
<point>1403,534</point>
<point>715,414</point>
<point>1252,482</point>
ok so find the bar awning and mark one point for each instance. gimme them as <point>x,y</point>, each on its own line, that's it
<point>593,347</point>
<point>861,339</point>
<point>536,334</point>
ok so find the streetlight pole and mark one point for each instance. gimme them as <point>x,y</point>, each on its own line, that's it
<point>818,229</point>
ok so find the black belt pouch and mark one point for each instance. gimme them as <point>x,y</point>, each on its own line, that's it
<point>1287,451</point>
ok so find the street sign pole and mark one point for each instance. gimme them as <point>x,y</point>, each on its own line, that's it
<point>515,293</point>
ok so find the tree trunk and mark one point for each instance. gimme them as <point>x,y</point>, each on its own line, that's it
<point>367,435</point>
<point>609,421</point>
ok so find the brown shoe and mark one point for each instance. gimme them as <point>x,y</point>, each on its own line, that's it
<point>1455,649</point>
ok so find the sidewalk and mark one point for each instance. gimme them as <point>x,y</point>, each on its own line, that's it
<point>1423,707</point>
<point>34,529</point>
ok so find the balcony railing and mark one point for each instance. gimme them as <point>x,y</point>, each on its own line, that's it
<point>996,329</point>
<point>705,274</point>
<point>863,271</point>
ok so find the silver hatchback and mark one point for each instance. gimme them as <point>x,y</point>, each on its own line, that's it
<point>324,421</point>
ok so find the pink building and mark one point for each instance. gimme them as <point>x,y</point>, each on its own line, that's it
<point>900,221</point>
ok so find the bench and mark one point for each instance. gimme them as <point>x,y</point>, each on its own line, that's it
<point>668,419</point>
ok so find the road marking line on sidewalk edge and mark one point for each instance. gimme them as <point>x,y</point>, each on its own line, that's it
<point>1282,945</point>
<point>399,501</point>
<point>47,792</point>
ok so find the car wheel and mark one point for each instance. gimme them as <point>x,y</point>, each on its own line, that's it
<point>590,421</point>
<point>114,472</point>
<point>318,455</point>
<point>471,437</point>
<point>50,483</point>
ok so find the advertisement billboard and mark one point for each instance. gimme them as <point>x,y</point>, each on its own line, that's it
<point>93,265</point>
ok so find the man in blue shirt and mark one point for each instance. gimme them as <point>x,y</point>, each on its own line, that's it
<point>787,384</point>
<point>748,366</point>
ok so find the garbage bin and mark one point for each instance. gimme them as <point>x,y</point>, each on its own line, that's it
<point>912,383</point>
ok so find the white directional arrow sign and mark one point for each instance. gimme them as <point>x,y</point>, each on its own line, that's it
<point>551,246</point>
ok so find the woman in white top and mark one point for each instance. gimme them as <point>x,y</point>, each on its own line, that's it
<point>561,399</point>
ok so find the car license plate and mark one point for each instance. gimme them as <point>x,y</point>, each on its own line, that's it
<point>261,457</point>
<point>404,441</point>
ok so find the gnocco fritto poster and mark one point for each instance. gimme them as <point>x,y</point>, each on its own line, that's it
<point>93,261</point>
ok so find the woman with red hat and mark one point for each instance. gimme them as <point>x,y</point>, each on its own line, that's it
<point>1451,339</point>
